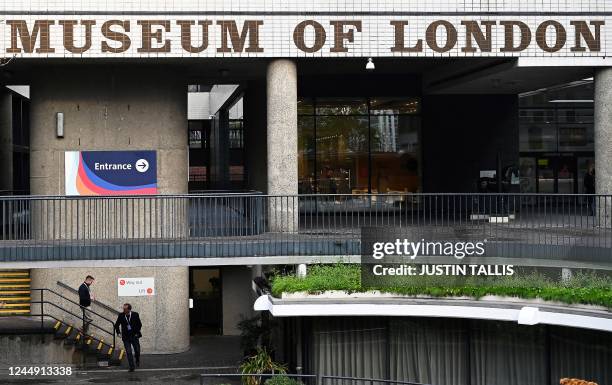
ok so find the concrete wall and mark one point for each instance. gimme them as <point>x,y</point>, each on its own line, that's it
<point>6,139</point>
<point>237,296</point>
<point>165,315</point>
<point>108,108</point>
<point>462,134</point>
<point>20,350</point>
<point>117,108</point>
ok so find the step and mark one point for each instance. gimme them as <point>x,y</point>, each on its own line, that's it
<point>9,286</point>
<point>4,299</point>
<point>11,292</point>
<point>14,311</point>
<point>9,273</point>
<point>13,305</point>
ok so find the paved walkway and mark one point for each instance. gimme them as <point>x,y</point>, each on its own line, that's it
<point>208,354</point>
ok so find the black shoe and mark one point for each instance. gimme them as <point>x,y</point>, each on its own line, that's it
<point>131,370</point>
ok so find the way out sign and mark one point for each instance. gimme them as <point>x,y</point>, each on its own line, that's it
<point>135,287</point>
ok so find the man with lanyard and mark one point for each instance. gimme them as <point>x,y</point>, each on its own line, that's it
<point>128,326</point>
<point>85,298</point>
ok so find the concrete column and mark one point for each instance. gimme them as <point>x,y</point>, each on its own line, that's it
<point>282,165</point>
<point>603,142</point>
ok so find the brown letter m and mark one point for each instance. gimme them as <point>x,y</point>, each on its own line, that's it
<point>28,41</point>
<point>250,27</point>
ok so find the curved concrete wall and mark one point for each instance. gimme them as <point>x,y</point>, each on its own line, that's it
<point>165,315</point>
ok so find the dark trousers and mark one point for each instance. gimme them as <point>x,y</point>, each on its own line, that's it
<point>128,343</point>
<point>592,205</point>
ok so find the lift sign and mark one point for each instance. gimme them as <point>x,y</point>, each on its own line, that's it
<point>135,287</point>
<point>111,172</point>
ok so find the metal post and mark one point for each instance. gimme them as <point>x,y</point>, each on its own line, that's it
<point>42,316</point>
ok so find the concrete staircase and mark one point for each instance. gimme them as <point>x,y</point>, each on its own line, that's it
<point>23,333</point>
<point>15,295</point>
<point>91,346</point>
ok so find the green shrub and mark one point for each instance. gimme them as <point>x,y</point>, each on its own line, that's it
<point>582,288</point>
<point>260,363</point>
<point>282,380</point>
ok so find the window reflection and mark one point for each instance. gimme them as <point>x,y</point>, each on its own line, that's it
<point>359,145</point>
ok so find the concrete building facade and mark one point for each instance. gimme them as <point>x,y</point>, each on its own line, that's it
<point>339,98</point>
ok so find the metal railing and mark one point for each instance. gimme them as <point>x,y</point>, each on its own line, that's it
<point>306,379</point>
<point>56,308</point>
<point>536,226</point>
<point>96,302</point>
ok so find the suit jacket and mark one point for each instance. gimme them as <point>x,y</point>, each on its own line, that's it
<point>122,325</point>
<point>84,295</point>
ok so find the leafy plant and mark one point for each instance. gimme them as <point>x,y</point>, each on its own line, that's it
<point>255,332</point>
<point>282,380</point>
<point>260,363</point>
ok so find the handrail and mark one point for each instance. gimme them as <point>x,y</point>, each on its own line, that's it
<point>42,302</point>
<point>541,229</point>
<point>75,291</point>
<point>309,195</point>
<point>72,314</point>
<point>75,303</point>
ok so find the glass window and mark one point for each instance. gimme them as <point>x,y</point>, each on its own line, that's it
<point>196,128</point>
<point>236,134</point>
<point>305,106</point>
<point>306,155</point>
<point>395,153</point>
<point>395,106</point>
<point>358,145</point>
<point>538,131</point>
<point>342,154</point>
<point>341,106</point>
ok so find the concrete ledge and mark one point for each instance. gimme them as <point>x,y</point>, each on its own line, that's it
<point>493,308</point>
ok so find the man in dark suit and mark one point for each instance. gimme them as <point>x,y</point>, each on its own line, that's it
<point>86,297</point>
<point>128,326</point>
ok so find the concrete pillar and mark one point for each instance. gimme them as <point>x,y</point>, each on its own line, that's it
<point>282,168</point>
<point>165,315</point>
<point>603,142</point>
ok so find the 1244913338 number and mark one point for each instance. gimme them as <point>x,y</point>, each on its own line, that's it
<point>40,371</point>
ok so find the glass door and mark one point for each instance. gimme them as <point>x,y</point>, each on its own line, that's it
<point>566,174</point>
<point>546,175</point>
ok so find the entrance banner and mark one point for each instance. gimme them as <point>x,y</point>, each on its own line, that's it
<point>110,172</point>
<point>135,287</point>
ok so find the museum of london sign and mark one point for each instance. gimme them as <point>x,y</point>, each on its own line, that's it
<point>300,36</point>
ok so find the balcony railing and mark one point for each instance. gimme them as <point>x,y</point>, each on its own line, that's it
<point>569,229</point>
